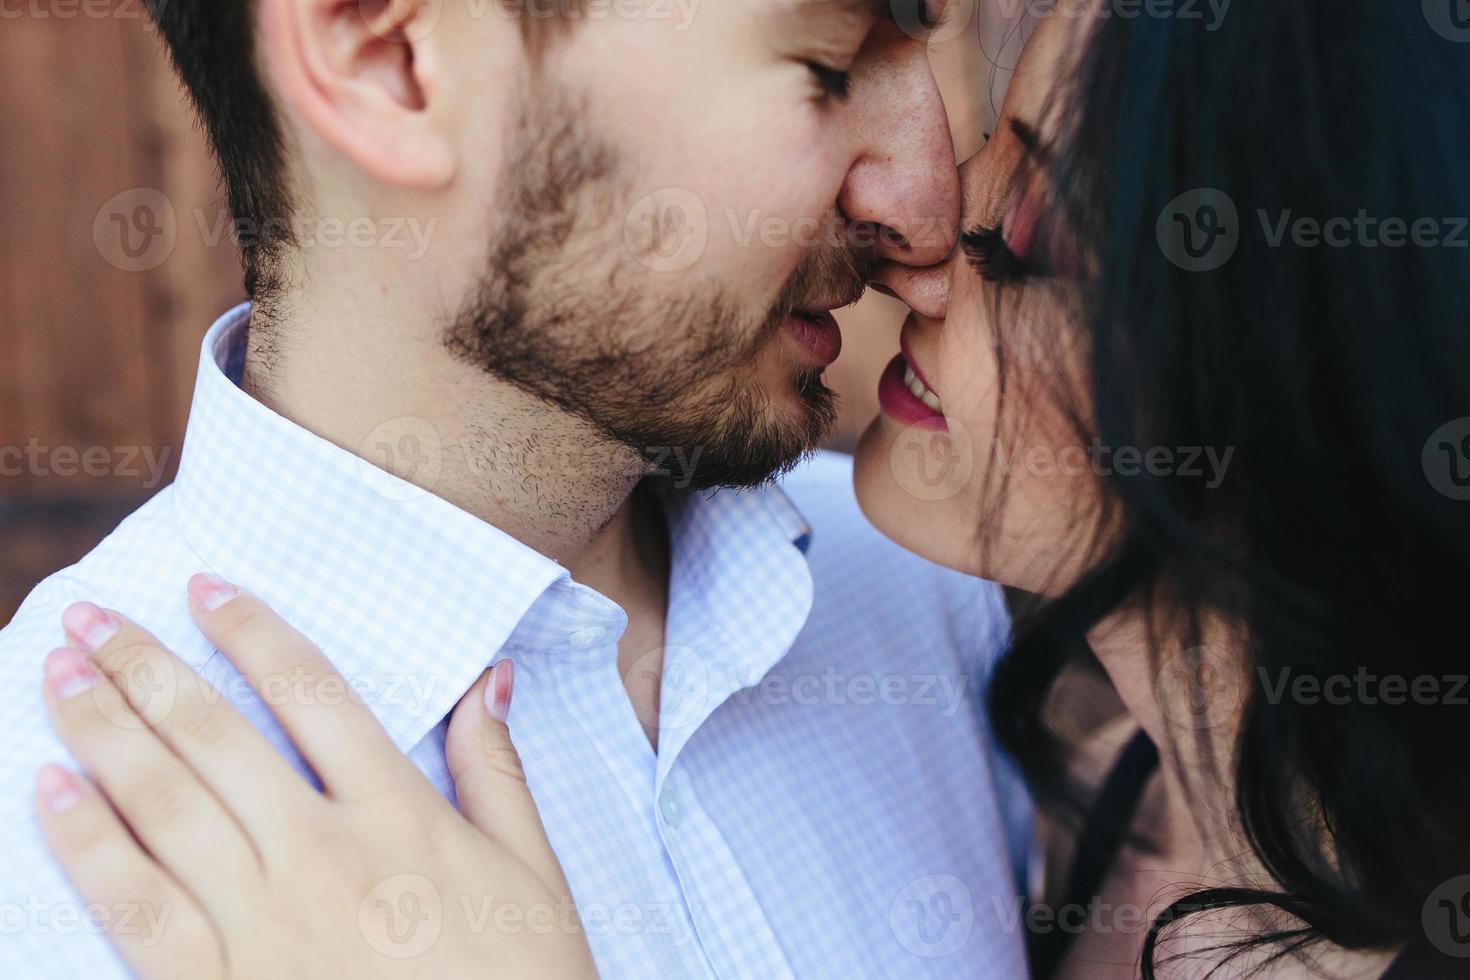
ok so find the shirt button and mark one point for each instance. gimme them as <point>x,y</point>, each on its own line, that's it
<point>673,813</point>
<point>586,637</point>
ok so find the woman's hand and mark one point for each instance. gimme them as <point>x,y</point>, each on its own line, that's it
<point>255,875</point>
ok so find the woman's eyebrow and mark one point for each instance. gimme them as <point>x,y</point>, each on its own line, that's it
<point>1030,140</point>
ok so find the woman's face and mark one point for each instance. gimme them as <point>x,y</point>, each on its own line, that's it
<point>932,479</point>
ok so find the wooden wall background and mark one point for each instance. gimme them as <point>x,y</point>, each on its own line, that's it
<point>99,335</point>
<point>93,357</point>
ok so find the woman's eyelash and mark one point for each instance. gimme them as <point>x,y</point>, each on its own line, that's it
<point>990,256</point>
<point>832,81</point>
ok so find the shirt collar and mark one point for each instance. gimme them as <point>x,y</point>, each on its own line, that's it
<point>381,574</point>
<point>740,593</point>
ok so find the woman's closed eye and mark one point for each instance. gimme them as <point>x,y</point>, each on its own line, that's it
<point>1026,245</point>
<point>990,255</point>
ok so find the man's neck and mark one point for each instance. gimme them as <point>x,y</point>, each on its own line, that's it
<point>388,392</point>
<point>546,478</point>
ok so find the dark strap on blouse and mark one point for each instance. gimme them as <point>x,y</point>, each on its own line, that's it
<point>1103,836</point>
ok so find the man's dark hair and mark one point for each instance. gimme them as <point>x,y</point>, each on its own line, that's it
<point>212,46</point>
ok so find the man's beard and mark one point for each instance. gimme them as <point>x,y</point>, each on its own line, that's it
<point>559,313</point>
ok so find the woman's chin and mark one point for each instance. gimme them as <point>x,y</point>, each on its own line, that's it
<point>905,499</point>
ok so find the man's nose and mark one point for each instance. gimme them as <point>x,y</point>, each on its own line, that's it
<point>905,181</point>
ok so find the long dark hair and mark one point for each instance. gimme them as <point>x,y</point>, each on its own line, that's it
<point>1339,373</point>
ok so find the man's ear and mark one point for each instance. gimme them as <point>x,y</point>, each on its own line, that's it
<point>365,76</point>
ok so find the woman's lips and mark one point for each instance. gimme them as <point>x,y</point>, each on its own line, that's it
<point>899,402</point>
<point>905,344</point>
<point>817,333</point>
<point>904,393</point>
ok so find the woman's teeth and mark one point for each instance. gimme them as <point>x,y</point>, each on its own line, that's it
<point>922,393</point>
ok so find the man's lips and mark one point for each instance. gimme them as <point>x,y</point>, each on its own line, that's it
<point>817,333</point>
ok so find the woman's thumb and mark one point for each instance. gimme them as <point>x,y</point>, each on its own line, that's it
<point>487,771</point>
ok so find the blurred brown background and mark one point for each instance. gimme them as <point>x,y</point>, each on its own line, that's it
<point>104,294</point>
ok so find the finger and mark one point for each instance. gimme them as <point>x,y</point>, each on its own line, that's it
<point>235,761</point>
<point>161,800</point>
<point>488,778</point>
<point>155,924</point>
<point>334,731</point>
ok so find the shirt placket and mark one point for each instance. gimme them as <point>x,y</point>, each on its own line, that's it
<point>572,642</point>
<point>726,915</point>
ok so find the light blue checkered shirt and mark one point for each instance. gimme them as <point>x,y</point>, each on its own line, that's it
<point>823,803</point>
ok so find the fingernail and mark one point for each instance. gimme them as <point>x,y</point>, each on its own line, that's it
<point>499,690</point>
<point>68,673</point>
<point>89,625</point>
<point>58,789</point>
<point>210,592</point>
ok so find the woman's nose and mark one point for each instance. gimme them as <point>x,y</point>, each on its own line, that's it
<point>925,290</point>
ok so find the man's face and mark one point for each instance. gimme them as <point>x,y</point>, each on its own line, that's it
<point>683,196</point>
